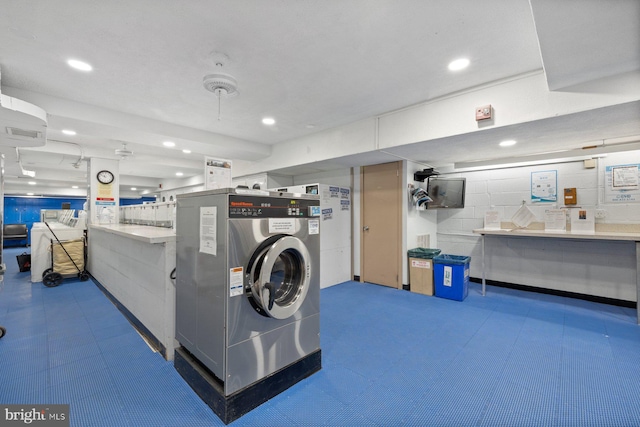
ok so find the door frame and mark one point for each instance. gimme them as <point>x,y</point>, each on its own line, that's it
<point>400,222</point>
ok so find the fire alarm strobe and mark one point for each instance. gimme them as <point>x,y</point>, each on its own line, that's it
<point>483,113</point>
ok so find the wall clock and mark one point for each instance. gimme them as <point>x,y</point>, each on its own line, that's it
<point>105,177</point>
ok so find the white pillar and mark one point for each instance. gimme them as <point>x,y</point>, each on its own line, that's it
<point>104,197</point>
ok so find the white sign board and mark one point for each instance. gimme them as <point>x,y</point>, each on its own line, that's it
<point>544,186</point>
<point>622,184</point>
<point>217,173</point>
<point>208,234</point>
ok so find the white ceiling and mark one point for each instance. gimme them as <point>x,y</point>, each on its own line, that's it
<point>312,65</point>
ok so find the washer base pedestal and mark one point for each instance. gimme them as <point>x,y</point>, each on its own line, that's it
<point>230,408</point>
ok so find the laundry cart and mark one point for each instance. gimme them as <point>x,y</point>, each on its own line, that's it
<point>68,258</point>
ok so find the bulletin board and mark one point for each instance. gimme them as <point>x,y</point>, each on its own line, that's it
<point>622,184</point>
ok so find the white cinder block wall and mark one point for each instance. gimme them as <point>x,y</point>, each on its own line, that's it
<point>601,268</point>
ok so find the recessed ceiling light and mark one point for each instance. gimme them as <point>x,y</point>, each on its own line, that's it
<point>459,64</point>
<point>79,65</point>
<point>74,186</point>
<point>269,121</point>
<point>185,151</point>
<point>169,144</point>
<point>508,143</point>
<point>68,132</point>
<point>179,174</point>
<point>32,183</point>
<point>133,188</point>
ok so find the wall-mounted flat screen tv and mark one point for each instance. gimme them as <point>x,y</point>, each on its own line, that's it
<point>446,193</point>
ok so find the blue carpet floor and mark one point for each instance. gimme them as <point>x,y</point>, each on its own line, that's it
<point>390,358</point>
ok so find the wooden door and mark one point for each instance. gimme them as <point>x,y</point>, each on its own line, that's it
<point>381,241</point>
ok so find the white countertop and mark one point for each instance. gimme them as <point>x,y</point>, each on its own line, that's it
<point>596,235</point>
<point>143,233</point>
<point>53,225</point>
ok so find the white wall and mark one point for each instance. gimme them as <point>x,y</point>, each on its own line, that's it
<point>594,267</point>
<point>521,99</point>
<point>104,200</point>
<point>354,138</point>
<point>339,178</point>
<point>173,187</point>
<point>264,180</point>
<point>342,178</point>
<point>414,222</point>
<point>517,261</point>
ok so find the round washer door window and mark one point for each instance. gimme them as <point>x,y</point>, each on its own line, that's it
<point>280,276</point>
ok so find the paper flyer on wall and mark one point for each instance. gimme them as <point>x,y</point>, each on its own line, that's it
<point>217,173</point>
<point>625,177</point>
<point>544,186</point>
<point>622,184</point>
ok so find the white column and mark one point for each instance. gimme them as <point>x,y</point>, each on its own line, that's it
<point>104,198</point>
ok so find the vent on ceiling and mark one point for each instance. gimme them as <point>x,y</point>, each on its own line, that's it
<point>25,133</point>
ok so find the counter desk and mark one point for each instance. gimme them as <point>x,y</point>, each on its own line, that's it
<point>608,232</point>
<point>133,264</point>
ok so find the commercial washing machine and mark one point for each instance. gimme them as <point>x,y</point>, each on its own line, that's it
<point>247,295</point>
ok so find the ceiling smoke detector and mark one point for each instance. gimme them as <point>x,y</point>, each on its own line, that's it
<point>123,153</point>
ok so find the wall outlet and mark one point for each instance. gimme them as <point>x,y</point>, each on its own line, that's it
<point>601,213</point>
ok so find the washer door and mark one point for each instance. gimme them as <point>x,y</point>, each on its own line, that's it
<point>279,275</point>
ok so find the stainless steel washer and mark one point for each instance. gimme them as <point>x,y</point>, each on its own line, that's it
<point>247,282</point>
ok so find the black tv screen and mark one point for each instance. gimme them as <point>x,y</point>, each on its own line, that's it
<point>446,193</point>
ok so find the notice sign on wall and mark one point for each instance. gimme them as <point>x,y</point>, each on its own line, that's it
<point>624,177</point>
<point>105,192</point>
<point>622,184</point>
<point>217,173</point>
<point>544,186</point>
<point>208,232</point>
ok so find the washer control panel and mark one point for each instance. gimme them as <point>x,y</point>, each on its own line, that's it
<point>241,206</point>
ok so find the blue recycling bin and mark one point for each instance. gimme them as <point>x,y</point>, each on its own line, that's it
<point>451,276</point>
